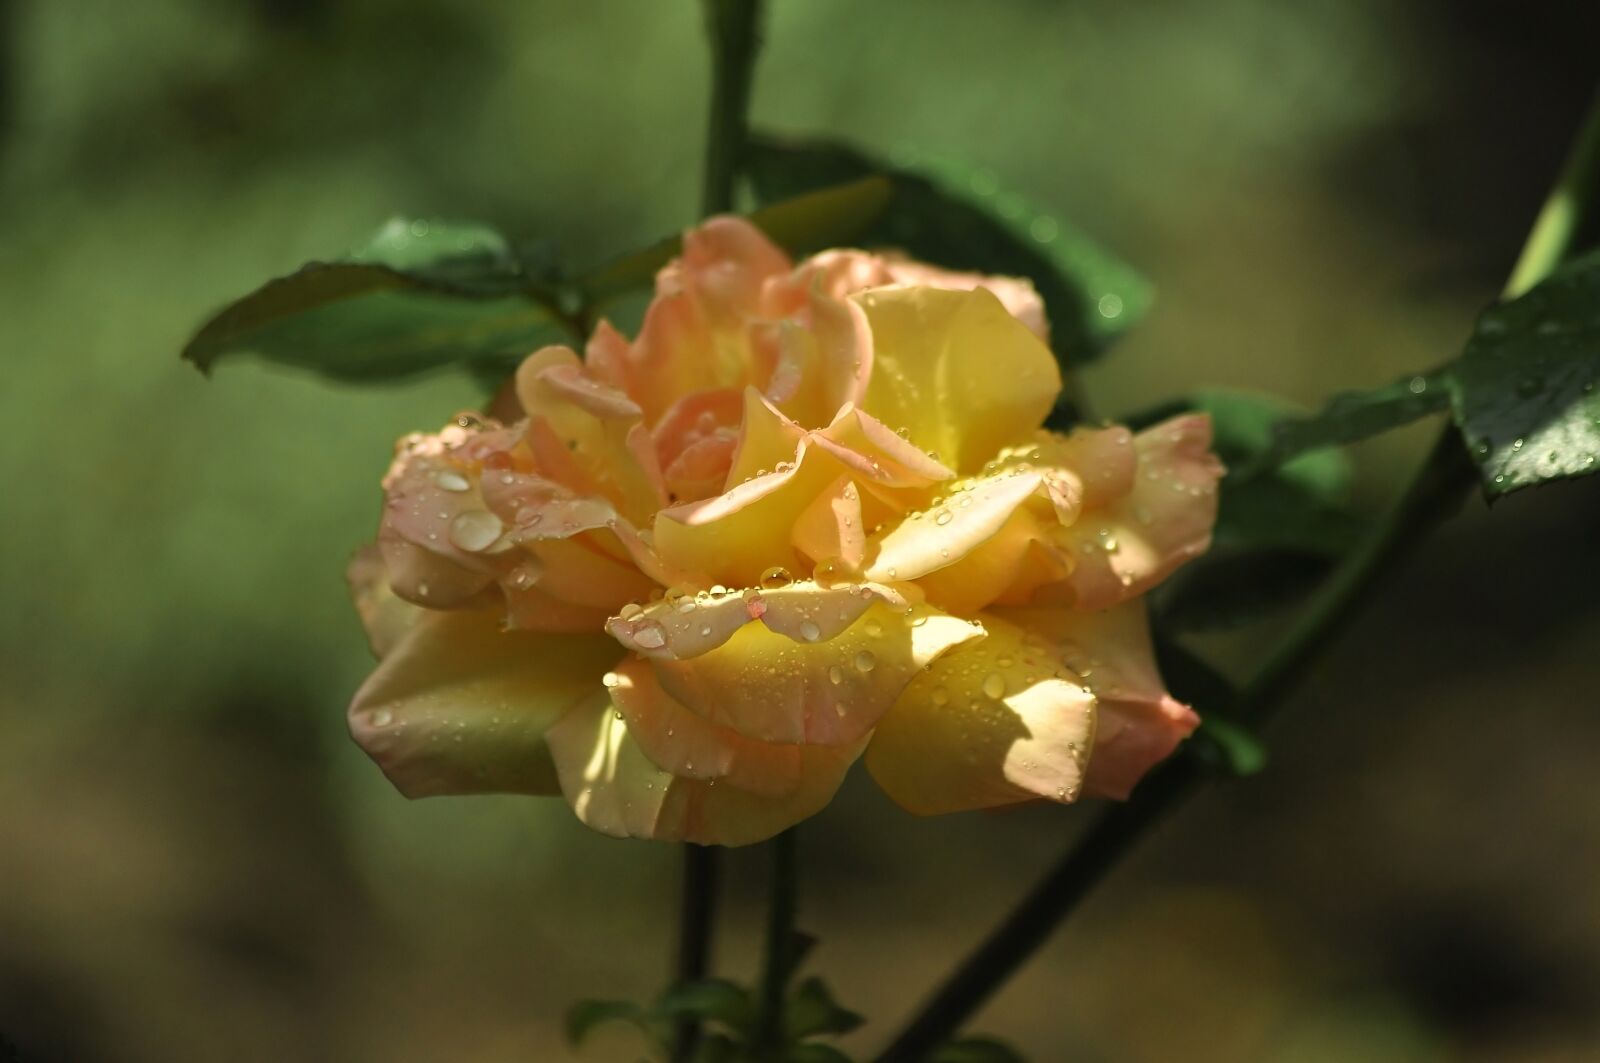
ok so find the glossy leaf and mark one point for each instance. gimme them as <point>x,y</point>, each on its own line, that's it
<point>959,217</point>
<point>1354,415</point>
<point>585,1015</point>
<point>812,1010</point>
<point>418,296</point>
<point>1527,389</point>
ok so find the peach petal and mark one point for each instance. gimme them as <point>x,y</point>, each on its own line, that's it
<point>459,707</point>
<point>996,721</point>
<point>1140,723</point>
<point>833,526</point>
<point>614,788</point>
<point>385,616</point>
<point>1126,548</point>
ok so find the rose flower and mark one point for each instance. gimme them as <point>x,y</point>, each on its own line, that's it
<point>808,516</point>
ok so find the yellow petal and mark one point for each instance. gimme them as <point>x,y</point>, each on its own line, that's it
<point>385,615</point>
<point>994,722</point>
<point>958,372</point>
<point>940,536</point>
<point>616,789</point>
<point>800,663</point>
<point>459,706</point>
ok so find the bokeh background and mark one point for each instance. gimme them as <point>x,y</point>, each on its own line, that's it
<point>195,864</point>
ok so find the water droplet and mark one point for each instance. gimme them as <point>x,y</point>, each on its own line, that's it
<point>525,575</point>
<point>942,517</point>
<point>382,718</point>
<point>611,680</point>
<point>450,480</point>
<point>994,685</point>
<point>422,590</point>
<point>1516,444</point>
<point>1417,385</point>
<point>865,661</point>
<point>873,628</point>
<point>940,696</point>
<point>810,631</point>
<point>631,610</point>
<point>649,635</point>
<point>475,530</point>
<point>775,577</point>
<point>835,675</point>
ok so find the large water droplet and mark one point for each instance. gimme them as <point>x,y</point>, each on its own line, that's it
<point>649,635</point>
<point>994,685</point>
<point>810,631</point>
<point>865,661</point>
<point>450,480</point>
<point>775,577</point>
<point>475,530</point>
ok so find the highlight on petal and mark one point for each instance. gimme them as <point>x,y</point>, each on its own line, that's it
<point>616,789</point>
<point>932,539</point>
<point>1140,723</point>
<point>997,721</point>
<point>459,706</point>
<point>959,373</point>
<point>1127,547</point>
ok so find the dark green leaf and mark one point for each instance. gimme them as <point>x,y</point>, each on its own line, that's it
<point>418,296</point>
<point>1355,415</point>
<point>808,222</point>
<point>954,216</point>
<point>975,1050</point>
<point>1229,747</point>
<point>812,1010</point>
<point>585,1015</point>
<point>710,998</point>
<point>1527,388</point>
<point>815,1053</point>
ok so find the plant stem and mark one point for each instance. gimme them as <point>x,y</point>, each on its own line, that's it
<point>731,28</point>
<point>734,29</point>
<point>696,909</point>
<point>783,898</point>
<point>1435,492</point>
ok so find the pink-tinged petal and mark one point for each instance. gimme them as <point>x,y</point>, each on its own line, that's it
<point>424,577</point>
<point>1140,723</point>
<point>555,459</point>
<point>694,418</point>
<point>803,674</point>
<point>615,788</point>
<point>873,451</point>
<point>962,376</point>
<point>459,706</point>
<point>928,540</point>
<point>832,527</point>
<point>1127,547</point>
<point>535,510</point>
<point>385,616</point>
<point>701,469</point>
<point>530,608</point>
<point>570,570</point>
<point>606,355</point>
<point>823,360</point>
<point>690,747</point>
<point>997,721</point>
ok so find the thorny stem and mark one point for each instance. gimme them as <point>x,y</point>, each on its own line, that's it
<point>1433,495</point>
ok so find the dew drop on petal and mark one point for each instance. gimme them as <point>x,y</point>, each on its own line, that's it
<point>865,661</point>
<point>775,577</point>
<point>994,685</point>
<point>810,631</point>
<point>382,718</point>
<point>450,480</point>
<point>475,530</point>
<point>835,675</point>
<point>649,635</point>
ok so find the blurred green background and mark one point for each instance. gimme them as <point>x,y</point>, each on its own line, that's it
<point>195,864</point>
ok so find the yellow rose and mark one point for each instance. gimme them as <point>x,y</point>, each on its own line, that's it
<point>809,514</point>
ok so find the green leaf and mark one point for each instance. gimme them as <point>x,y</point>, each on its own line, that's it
<point>815,1053</point>
<point>1526,395</point>
<point>957,216</point>
<point>975,1050</point>
<point>716,999</point>
<point>585,1015</point>
<point>808,222</point>
<point>1229,747</point>
<point>812,1010</point>
<point>1354,415</point>
<point>418,296</point>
